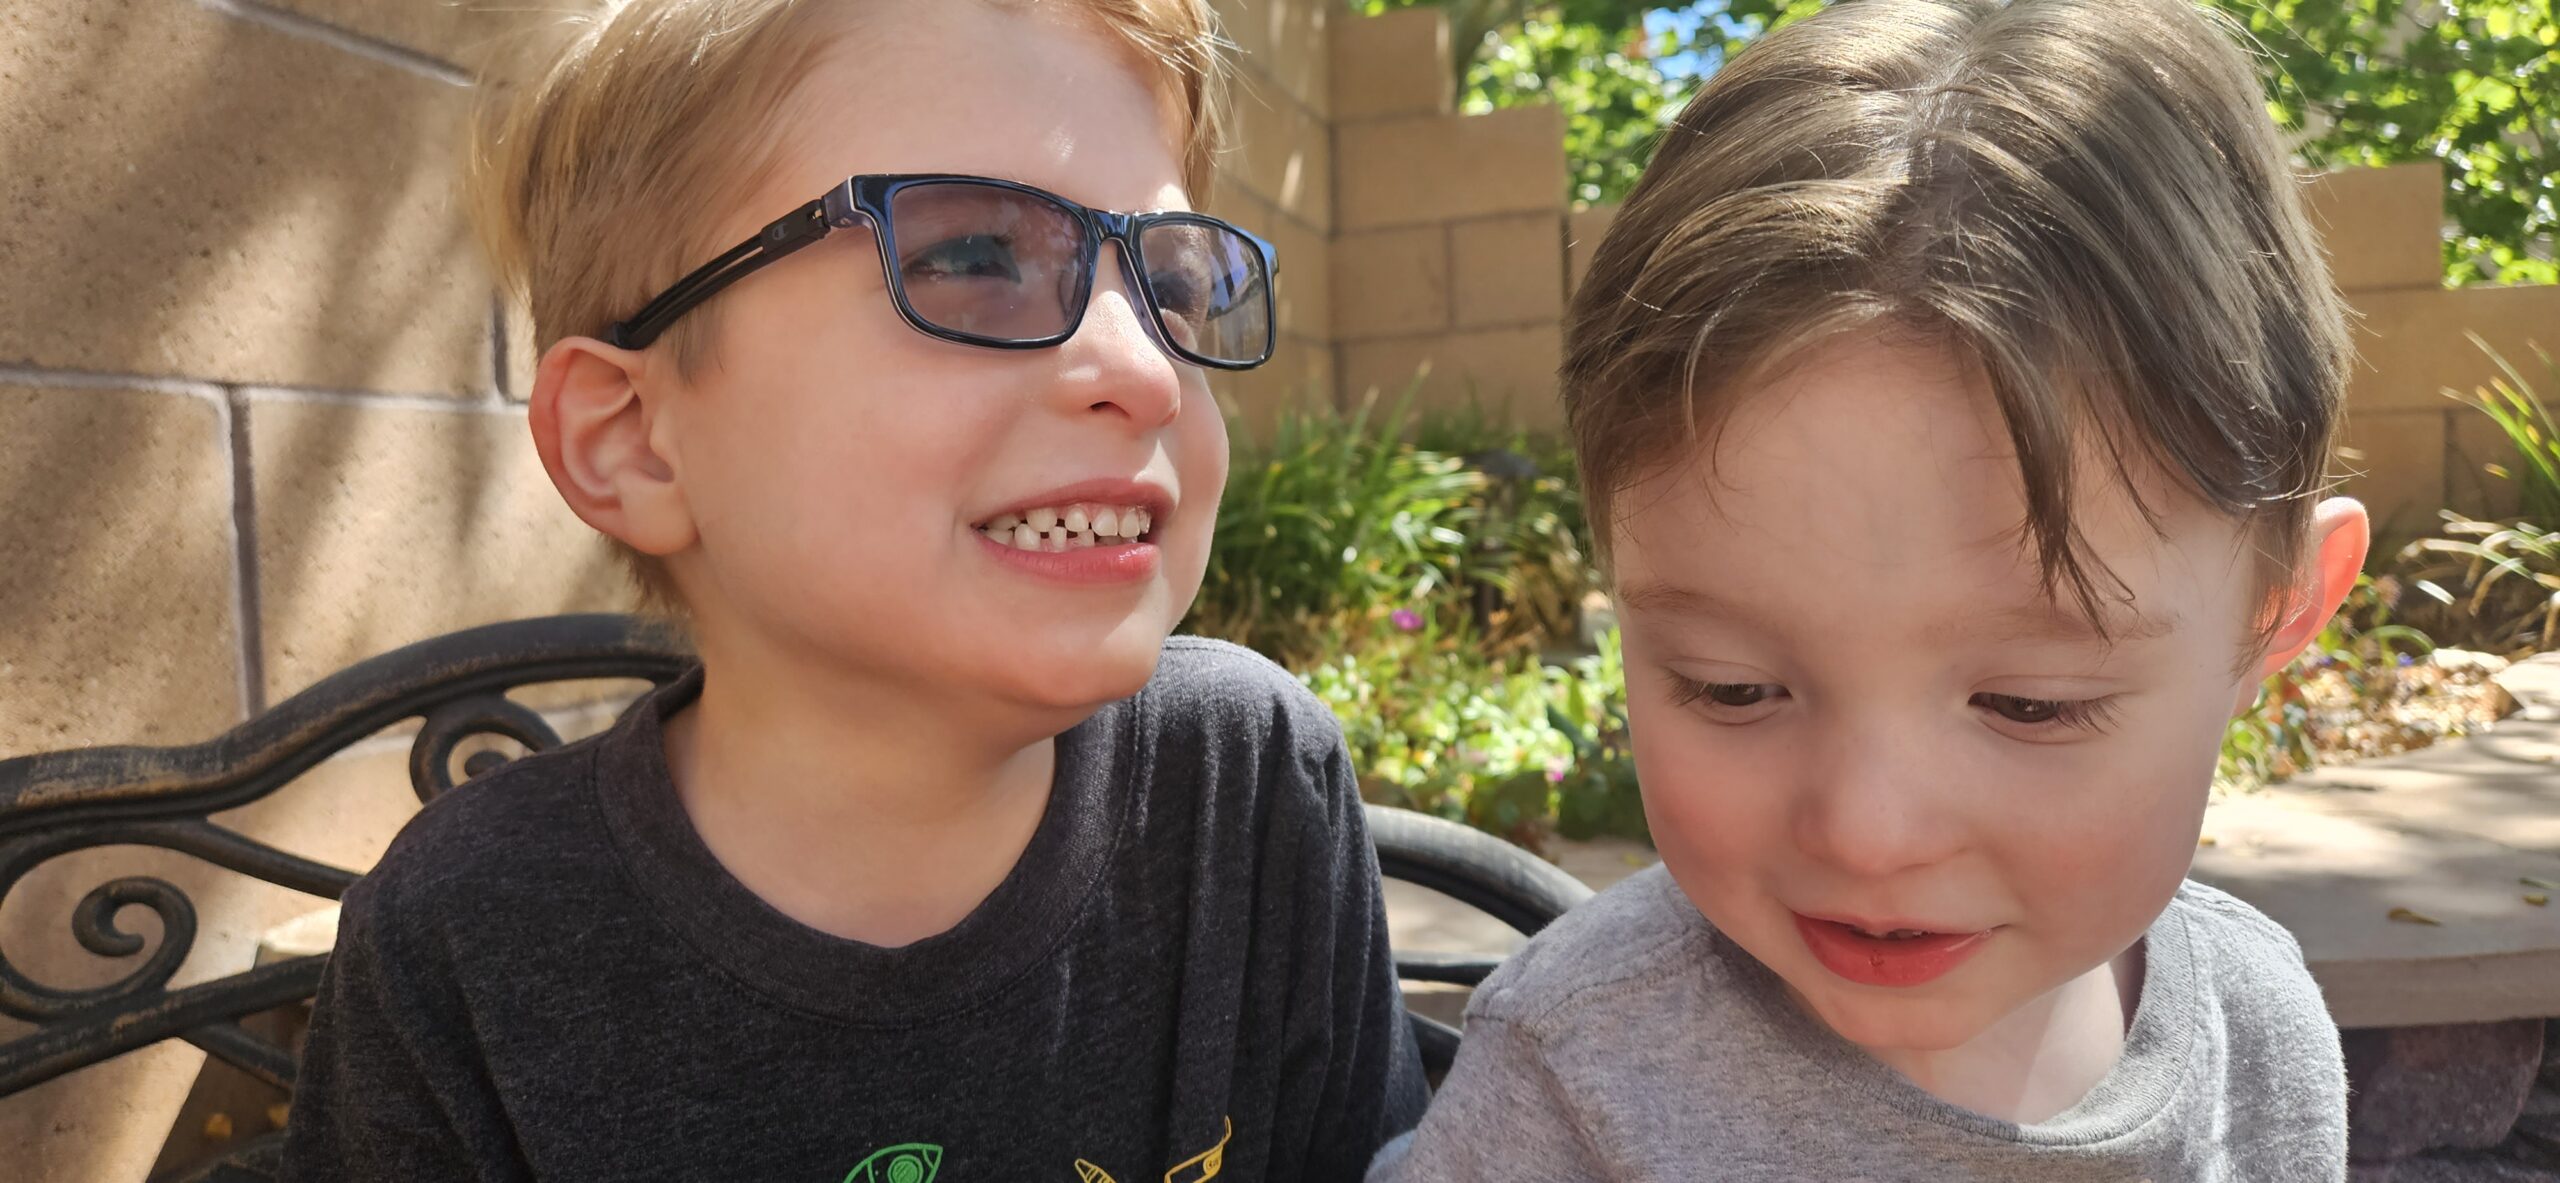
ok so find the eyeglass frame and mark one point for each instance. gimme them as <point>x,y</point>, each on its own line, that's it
<point>864,199</point>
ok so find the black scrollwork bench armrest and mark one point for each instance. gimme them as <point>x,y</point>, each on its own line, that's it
<point>55,803</point>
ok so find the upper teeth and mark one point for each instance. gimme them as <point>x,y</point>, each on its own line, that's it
<point>1065,527</point>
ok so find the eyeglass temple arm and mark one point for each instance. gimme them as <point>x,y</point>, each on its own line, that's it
<point>780,237</point>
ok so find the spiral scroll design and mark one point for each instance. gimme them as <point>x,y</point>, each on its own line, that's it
<point>56,803</point>
<point>431,757</point>
<point>93,922</point>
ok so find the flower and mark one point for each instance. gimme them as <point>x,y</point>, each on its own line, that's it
<point>1406,619</point>
<point>1556,766</point>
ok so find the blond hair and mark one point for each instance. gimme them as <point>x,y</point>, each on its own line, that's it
<point>594,184</point>
<point>2085,197</point>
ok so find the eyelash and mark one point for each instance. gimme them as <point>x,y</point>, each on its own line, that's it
<point>2081,714</point>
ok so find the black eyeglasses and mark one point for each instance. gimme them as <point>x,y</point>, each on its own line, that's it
<point>989,262</point>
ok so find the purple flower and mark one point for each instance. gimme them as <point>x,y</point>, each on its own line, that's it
<point>1406,619</point>
<point>1556,767</point>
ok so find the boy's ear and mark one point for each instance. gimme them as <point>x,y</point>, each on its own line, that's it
<point>593,429</point>
<point>2339,537</point>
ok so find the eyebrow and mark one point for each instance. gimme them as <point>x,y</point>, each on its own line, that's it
<point>2047,621</point>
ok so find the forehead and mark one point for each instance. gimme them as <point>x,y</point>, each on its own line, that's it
<point>1040,93</point>
<point>1872,480</point>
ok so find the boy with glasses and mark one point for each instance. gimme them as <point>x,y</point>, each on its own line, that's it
<point>877,334</point>
<point>1953,395</point>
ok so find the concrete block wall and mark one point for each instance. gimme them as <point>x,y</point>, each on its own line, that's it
<point>1277,181</point>
<point>254,427</point>
<point>2411,450</point>
<point>1449,255</point>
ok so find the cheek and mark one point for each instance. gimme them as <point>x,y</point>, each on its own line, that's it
<point>1704,796</point>
<point>1199,451</point>
<point>2113,831</point>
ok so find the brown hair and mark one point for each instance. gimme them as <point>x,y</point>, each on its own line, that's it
<point>2086,197</point>
<point>589,183</point>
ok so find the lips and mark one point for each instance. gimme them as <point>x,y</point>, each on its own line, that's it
<point>1848,949</point>
<point>1062,549</point>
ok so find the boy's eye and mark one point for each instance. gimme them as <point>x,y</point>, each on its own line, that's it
<point>1724,696</point>
<point>2084,713</point>
<point>1180,293</point>
<point>979,256</point>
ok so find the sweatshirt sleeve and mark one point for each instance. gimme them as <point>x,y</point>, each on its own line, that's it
<point>1372,1086</point>
<point>390,1085</point>
<point>1501,1115</point>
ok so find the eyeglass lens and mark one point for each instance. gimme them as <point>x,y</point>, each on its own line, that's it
<point>1003,265</point>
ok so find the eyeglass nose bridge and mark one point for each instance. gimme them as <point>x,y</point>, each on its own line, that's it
<point>1122,230</point>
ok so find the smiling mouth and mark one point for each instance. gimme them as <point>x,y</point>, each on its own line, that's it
<point>1078,526</point>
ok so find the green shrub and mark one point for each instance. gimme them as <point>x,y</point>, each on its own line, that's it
<point>1339,521</point>
<point>2275,738</point>
<point>2496,584</point>
<point>1507,744</point>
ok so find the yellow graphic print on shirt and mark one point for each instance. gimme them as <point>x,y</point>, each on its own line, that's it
<point>1198,1168</point>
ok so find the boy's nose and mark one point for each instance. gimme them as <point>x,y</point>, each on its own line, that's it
<point>1113,365</point>
<point>1869,809</point>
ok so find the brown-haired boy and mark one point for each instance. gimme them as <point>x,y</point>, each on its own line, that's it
<point>879,331</point>
<point>1953,394</point>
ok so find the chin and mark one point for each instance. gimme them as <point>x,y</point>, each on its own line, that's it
<point>1917,1024</point>
<point>1084,676</point>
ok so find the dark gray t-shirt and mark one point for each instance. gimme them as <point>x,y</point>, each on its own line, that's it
<point>1186,976</point>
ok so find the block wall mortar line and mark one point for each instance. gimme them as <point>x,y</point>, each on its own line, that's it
<point>1466,219</point>
<point>1449,275</point>
<point>1262,75</point>
<point>1563,215</point>
<point>399,402</point>
<point>2446,463</point>
<point>1499,326</point>
<point>498,376</point>
<point>294,24</point>
<point>44,377</point>
<point>52,379</point>
<point>247,613</point>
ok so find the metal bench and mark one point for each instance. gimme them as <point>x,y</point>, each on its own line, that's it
<point>54,803</point>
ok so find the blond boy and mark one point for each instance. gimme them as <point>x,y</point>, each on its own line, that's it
<point>877,332</point>
<point>1953,393</point>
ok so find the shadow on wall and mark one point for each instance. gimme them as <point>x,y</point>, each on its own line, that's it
<point>253,427</point>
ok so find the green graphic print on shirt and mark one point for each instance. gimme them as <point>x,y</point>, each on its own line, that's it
<point>918,1162</point>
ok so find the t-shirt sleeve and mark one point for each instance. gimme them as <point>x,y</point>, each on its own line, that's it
<point>1370,1085</point>
<point>1500,1115</point>
<point>390,1085</point>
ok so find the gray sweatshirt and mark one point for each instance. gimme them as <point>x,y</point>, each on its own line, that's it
<point>1633,1041</point>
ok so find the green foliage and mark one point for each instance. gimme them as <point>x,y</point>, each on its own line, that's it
<point>1412,570</point>
<point>2502,578</point>
<point>1615,99</point>
<point>2469,83</point>
<point>1339,522</point>
<point>1335,516</point>
<point>2362,644</point>
<point>2510,402</point>
<point>2498,582</point>
<point>1509,745</point>
<point>2466,82</point>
